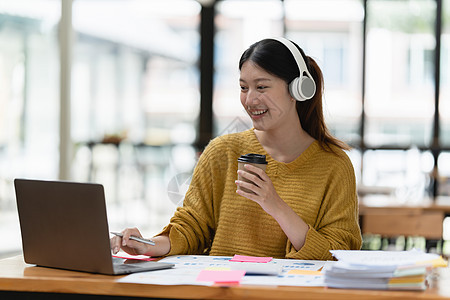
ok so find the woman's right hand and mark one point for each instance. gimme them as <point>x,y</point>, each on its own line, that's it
<point>161,247</point>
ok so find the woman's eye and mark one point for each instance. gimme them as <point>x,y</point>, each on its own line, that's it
<point>262,87</point>
<point>243,88</point>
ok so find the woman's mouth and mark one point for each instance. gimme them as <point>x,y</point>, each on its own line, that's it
<point>257,112</point>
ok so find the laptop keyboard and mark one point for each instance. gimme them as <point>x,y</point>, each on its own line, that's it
<point>124,267</point>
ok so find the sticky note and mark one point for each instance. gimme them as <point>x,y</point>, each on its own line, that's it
<point>304,272</point>
<point>255,259</point>
<point>138,257</point>
<point>221,276</point>
<point>218,268</point>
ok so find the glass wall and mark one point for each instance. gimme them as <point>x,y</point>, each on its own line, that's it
<point>29,100</point>
<point>335,42</point>
<point>444,107</point>
<point>399,98</point>
<point>443,175</point>
<point>239,23</point>
<point>135,102</point>
<point>404,175</point>
<point>399,102</point>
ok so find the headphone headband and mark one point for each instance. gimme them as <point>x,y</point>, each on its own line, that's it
<point>303,87</point>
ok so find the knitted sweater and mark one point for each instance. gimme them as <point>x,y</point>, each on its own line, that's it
<point>319,186</point>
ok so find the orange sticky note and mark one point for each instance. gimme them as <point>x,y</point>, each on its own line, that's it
<point>304,272</point>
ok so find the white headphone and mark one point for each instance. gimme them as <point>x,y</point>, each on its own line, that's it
<point>303,87</point>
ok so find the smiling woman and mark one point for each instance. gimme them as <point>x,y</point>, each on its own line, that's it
<point>304,78</point>
<point>305,199</point>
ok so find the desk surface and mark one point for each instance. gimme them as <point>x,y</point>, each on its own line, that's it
<point>15,275</point>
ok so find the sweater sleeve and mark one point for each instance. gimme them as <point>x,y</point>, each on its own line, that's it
<point>191,228</point>
<point>337,225</point>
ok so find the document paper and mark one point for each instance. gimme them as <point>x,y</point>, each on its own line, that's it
<point>188,268</point>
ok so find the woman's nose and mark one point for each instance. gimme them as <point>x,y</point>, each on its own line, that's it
<point>252,97</point>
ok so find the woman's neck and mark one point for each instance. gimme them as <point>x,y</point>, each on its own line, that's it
<point>284,145</point>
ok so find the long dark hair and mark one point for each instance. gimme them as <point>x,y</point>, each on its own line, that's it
<point>276,59</point>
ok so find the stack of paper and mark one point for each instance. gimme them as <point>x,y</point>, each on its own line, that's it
<point>386,270</point>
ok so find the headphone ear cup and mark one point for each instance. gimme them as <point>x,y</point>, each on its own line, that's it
<point>295,89</point>
<point>307,88</point>
<point>302,88</point>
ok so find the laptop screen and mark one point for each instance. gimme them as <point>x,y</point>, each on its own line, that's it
<point>64,225</point>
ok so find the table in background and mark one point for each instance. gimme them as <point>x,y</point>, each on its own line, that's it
<point>19,280</point>
<point>389,218</point>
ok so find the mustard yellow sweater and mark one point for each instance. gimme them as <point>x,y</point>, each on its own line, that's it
<point>319,186</point>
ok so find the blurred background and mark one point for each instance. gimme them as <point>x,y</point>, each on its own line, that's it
<point>128,92</point>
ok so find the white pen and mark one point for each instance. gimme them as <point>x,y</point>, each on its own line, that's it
<point>137,239</point>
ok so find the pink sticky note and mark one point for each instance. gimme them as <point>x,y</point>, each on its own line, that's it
<point>255,259</point>
<point>221,276</point>
<point>137,257</point>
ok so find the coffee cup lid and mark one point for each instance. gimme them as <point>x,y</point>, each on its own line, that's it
<point>253,158</point>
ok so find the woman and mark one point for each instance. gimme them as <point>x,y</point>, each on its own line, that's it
<point>301,207</point>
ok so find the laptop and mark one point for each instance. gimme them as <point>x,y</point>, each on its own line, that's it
<point>64,225</point>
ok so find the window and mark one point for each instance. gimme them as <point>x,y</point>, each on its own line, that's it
<point>239,24</point>
<point>335,42</point>
<point>135,102</point>
<point>29,100</point>
<point>402,174</point>
<point>399,102</point>
<point>444,97</point>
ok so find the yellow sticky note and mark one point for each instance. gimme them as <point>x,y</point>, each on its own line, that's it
<point>438,262</point>
<point>304,272</point>
<point>218,268</point>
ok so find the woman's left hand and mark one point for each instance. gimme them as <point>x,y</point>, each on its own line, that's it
<point>263,191</point>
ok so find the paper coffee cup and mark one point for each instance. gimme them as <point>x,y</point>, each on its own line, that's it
<point>257,160</point>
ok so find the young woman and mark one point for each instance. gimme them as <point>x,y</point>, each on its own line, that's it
<point>302,206</point>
